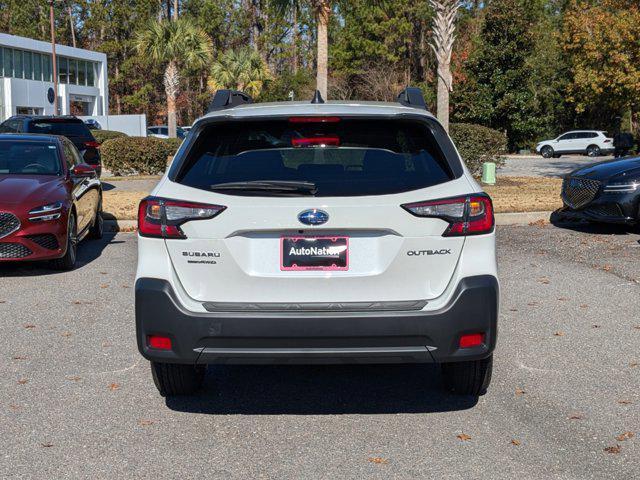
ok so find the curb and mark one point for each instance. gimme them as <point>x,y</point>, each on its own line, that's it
<point>524,218</point>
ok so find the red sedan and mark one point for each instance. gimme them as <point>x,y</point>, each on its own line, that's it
<point>49,200</point>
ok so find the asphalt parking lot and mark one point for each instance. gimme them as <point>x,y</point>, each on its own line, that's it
<point>77,401</point>
<point>537,166</point>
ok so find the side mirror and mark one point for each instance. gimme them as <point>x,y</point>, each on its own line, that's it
<point>83,170</point>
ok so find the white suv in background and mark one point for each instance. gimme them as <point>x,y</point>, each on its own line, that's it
<point>586,142</point>
<point>299,232</point>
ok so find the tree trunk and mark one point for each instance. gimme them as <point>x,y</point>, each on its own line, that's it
<point>171,83</point>
<point>444,82</point>
<point>175,10</point>
<point>324,10</point>
<point>442,45</point>
<point>294,40</point>
<point>73,29</point>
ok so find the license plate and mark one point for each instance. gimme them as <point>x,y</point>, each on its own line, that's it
<point>314,253</point>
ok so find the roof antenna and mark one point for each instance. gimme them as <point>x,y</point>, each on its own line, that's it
<point>317,97</point>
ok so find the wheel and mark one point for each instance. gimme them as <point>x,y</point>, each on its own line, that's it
<point>593,151</point>
<point>547,151</point>
<point>69,260</point>
<point>468,378</point>
<point>97,229</point>
<point>176,379</point>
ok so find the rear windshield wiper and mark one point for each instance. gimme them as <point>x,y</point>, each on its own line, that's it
<point>282,186</point>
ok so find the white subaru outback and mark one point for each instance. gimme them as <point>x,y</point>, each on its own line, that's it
<point>322,232</point>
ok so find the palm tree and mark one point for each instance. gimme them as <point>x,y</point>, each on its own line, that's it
<point>177,43</point>
<point>242,69</point>
<point>322,10</point>
<point>444,27</point>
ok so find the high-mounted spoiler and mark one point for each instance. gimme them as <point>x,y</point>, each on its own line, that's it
<point>224,99</point>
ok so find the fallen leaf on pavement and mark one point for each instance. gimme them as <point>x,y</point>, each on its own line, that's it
<point>584,305</point>
<point>515,442</point>
<point>29,325</point>
<point>114,386</point>
<point>144,423</point>
<point>66,334</point>
<point>633,364</point>
<point>22,381</point>
<point>14,407</point>
<point>625,436</point>
<point>595,326</point>
<point>607,268</point>
<point>47,445</point>
<point>19,357</point>
<point>563,299</point>
<point>532,304</point>
<point>538,223</point>
<point>544,280</point>
<point>104,285</point>
<point>464,437</point>
<point>520,391</point>
<point>75,378</point>
<point>378,460</point>
<point>576,416</point>
<point>615,449</point>
<point>559,334</point>
<point>77,302</point>
<point>513,309</point>
<point>624,402</point>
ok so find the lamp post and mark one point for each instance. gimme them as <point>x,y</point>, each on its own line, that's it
<point>53,57</point>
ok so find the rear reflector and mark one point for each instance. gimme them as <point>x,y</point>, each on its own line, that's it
<point>158,342</point>
<point>92,143</point>
<point>471,340</point>
<point>467,215</point>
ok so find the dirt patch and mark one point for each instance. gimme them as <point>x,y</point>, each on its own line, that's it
<point>525,194</point>
<point>121,205</point>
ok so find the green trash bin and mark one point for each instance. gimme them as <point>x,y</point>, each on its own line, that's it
<point>489,173</point>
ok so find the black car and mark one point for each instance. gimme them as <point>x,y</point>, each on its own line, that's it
<point>604,192</point>
<point>68,126</point>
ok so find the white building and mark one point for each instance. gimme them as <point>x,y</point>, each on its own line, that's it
<point>26,77</point>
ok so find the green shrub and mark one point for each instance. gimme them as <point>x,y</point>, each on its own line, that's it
<point>478,144</point>
<point>102,136</point>
<point>173,144</point>
<point>137,155</point>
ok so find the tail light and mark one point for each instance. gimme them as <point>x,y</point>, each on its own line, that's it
<point>92,144</point>
<point>161,217</point>
<point>467,215</point>
<point>607,140</point>
<point>331,140</point>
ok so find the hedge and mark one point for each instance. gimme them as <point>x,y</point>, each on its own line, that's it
<point>478,144</point>
<point>102,136</point>
<point>137,155</point>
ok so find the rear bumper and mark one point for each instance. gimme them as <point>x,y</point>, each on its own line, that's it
<point>317,337</point>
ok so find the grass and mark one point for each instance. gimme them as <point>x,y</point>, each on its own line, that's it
<point>131,178</point>
<point>510,194</point>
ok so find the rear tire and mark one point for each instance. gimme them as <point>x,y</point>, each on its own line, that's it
<point>593,151</point>
<point>468,378</point>
<point>69,260</point>
<point>547,151</point>
<point>177,379</point>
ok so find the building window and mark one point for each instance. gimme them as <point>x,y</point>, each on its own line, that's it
<point>37,66</point>
<point>46,68</point>
<point>28,65</point>
<point>18,70</point>
<point>82,72</point>
<point>8,62</point>
<point>90,74</point>
<point>62,70</point>
<point>73,72</point>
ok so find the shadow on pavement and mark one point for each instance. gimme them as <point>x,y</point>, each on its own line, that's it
<point>321,390</point>
<point>88,251</point>
<point>595,228</point>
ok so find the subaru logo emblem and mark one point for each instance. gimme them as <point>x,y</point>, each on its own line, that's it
<point>313,217</point>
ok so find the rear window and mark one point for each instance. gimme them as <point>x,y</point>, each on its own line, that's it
<point>29,158</point>
<point>56,127</point>
<point>341,157</point>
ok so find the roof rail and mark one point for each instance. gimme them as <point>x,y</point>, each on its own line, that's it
<point>412,97</point>
<point>224,99</point>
